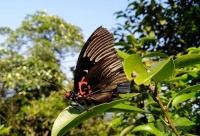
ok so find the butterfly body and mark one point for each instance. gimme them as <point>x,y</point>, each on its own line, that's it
<point>98,72</point>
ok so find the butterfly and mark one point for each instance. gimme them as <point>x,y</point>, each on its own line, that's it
<point>99,75</point>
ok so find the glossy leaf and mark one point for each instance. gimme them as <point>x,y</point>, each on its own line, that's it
<point>71,117</point>
<point>163,69</point>
<point>183,97</point>
<point>122,54</point>
<point>128,95</point>
<point>133,64</point>
<point>155,54</point>
<point>187,60</point>
<point>128,108</point>
<point>148,127</point>
<point>182,77</point>
<point>190,89</point>
<point>126,130</point>
<point>160,71</point>
<point>148,38</point>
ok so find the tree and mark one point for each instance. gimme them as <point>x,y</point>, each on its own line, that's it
<point>174,23</point>
<point>29,54</point>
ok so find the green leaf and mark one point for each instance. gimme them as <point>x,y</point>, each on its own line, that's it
<point>163,69</point>
<point>149,128</point>
<point>147,38</point>
<point>128,95</point>
<point>183,97</point>
<point>4,130</point>
<point>131,39</point>
<point>122,54</point>
<point>190,89</point>
<point>187,60</point>
<point>133,64</point>
<point>193,88</point>
<point>126,130</point>
<point>183,124</point>
<point>71,117</point>
<point>182,77</point>
<point>155,54</point>
<point>160,71</point>
<point>128,108</point>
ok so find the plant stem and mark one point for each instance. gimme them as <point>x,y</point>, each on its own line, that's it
<point>157,99</point>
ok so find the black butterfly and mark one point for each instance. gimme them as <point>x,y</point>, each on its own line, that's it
<point>99,75</point>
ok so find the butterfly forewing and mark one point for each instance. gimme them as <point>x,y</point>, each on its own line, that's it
<point>99,69</point>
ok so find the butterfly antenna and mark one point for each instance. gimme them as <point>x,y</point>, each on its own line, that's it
<point>55,84</point>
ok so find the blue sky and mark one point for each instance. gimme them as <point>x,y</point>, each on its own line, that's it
<point>86,14</point>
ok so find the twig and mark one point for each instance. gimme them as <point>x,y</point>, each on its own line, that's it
<point>157,99</point>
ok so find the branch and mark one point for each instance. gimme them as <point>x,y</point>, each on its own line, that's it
<point>157,99</point>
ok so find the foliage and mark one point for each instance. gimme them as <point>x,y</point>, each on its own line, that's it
<point>167,104</point>
<point>174,23</point>
<point>29,54</point>
<point>32,116</point>
<point>163,65</point>
<point>4,130</point>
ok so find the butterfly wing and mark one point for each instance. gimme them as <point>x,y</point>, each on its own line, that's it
<point>99,63</point>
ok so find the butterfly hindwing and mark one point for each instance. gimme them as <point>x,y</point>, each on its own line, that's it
<point>99,69</point>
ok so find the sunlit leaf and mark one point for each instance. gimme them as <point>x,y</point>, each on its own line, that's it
<point>163,69</point>
<point>133,64</point>
<point>128,95</point>
<point>71,117</point>
<point>189,89</point>
<point>187,60</point>
<point>155,54</point>
<point>149,128</point>
<point>160,71</point>
<point>147,38</point>
<point>182,77</point>
<point>122,54</point>
<point>184,97</point>
<point>126,130</point>
<point>128,108</point>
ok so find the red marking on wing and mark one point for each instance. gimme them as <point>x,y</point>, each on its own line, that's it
<point>81,83</point>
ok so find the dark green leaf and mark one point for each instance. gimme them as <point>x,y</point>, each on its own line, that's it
<point>183,124</point>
